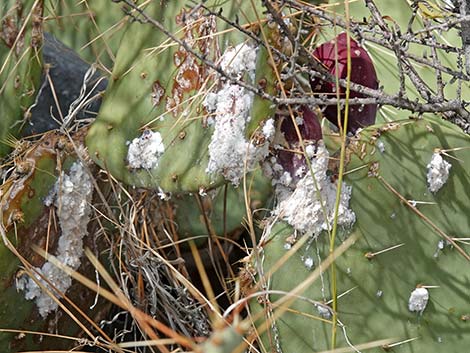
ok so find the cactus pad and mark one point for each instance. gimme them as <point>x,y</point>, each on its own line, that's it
<point>169,102</point>
<point>405,277</point>
<point>21,65</point>
<point>48,183</point>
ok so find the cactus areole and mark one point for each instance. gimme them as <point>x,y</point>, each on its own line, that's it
<point>333,55</point>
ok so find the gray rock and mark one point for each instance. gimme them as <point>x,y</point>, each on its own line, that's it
<point>67,71</point>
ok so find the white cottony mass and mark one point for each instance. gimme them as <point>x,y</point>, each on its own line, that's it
<point>145,151</point>
<point>229,152</point>
<point>71,196</point>
<point>438,172</point>
<point>418,300</point>
<point>311,207</point>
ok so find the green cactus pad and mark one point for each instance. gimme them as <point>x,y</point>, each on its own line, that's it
<point>156,84</point>
<point>21,65</point>
<point>93,29</point>
<point>400,246</point>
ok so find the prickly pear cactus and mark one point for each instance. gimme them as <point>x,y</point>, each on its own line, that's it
<point>404,278</point>
<point>21,65</point>
<point>156,126</point>
<point>49,183</point>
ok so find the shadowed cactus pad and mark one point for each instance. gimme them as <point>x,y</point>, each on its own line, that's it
<point>223,340</point>
<point>93,29</point>
<point>405,278</point>
<point>224,208</point>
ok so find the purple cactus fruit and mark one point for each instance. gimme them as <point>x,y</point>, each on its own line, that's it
<point>362,72</point>
<point>310,129</point>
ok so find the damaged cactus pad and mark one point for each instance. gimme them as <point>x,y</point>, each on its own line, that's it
<point>403,280</point>
<point>333,55</point>
<point>46,203</point>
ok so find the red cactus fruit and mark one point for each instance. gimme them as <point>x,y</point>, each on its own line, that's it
<point>362,72</point>
<point>310,129</point>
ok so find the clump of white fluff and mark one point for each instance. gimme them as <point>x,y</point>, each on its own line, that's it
<point>438,172</point>
<point>418,300</point>
<point>311,206</point>
<point>229,152</point>
<point>144,152</point>
<point>72,197</point>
